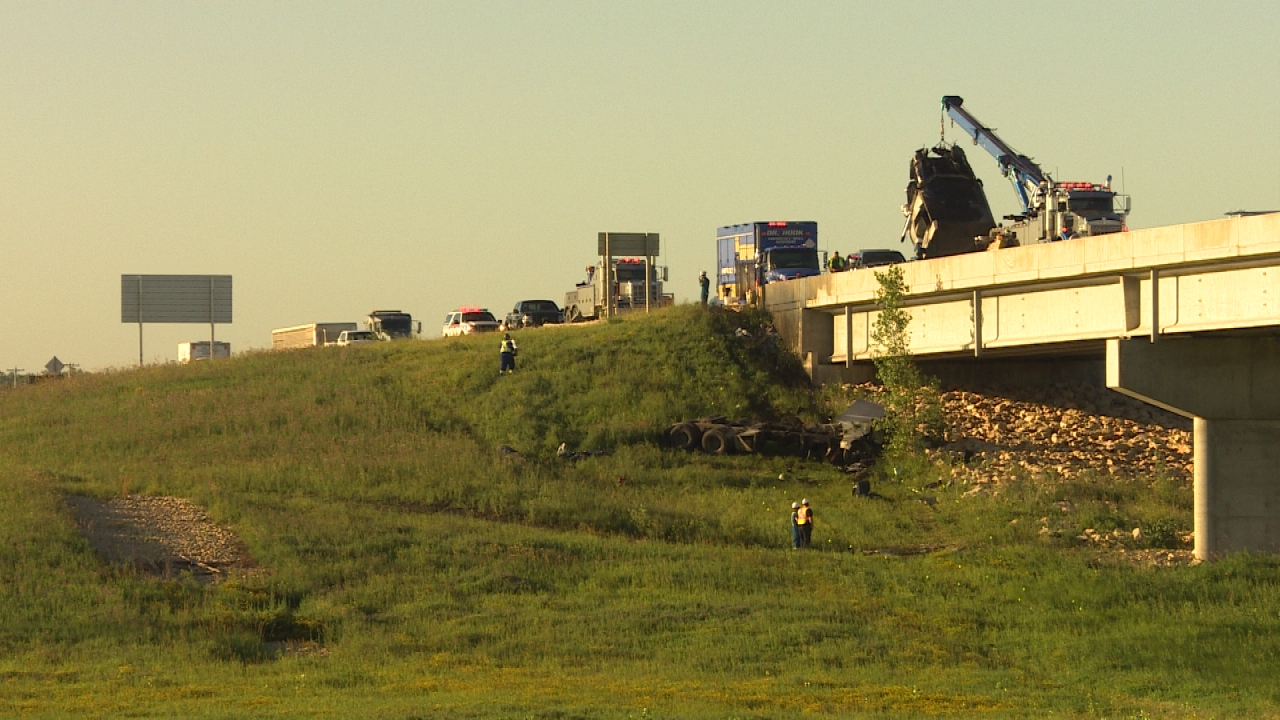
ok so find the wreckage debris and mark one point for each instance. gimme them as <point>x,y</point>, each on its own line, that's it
<point>564,453</point>
<point>849,440</point>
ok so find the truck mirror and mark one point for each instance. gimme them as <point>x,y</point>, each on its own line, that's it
<point>419,327</point>
<point>664,274</point>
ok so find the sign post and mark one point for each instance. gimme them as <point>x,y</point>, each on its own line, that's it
<point>175,299</point>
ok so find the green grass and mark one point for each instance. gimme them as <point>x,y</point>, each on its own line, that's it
<point>441,578</point>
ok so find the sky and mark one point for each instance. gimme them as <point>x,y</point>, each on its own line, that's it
<point>337,157</point>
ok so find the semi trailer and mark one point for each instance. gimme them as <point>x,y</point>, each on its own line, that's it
<point>309,335</point>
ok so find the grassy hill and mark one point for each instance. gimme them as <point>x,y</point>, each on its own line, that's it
<point>411,568</point>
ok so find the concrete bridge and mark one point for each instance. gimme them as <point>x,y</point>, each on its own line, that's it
<point>1186,316</point>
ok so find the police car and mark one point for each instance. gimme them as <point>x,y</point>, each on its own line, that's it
<point>468,320</point>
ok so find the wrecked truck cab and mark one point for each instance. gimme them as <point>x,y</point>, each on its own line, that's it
<point>946,206</point>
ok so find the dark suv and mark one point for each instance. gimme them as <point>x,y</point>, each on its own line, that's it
<point>874,258</point>
<point>533,313</point>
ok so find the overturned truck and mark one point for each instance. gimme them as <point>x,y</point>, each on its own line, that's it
<point>849,439</point>
<point>946,207</point>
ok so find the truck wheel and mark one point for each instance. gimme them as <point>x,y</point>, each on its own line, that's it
<point>718,440</point>
<point>685,436</point>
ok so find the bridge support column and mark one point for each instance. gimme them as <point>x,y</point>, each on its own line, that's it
<point>1231,389</point>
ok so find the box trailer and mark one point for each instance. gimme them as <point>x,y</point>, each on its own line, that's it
<point>309,335</point>
<point>751,255</point>
<point>189,351</point>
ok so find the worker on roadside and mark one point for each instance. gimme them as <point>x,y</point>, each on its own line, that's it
<point>795,527</point>
<point>804,521</point>
<point>704,282</point>
<point>836,263</point>
<point>507,354</point>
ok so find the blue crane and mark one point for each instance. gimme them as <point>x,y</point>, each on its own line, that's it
<point>1028,179</point>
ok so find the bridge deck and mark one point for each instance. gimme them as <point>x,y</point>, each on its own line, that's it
<point>1209,276</point>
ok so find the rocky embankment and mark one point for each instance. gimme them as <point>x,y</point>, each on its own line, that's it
<point>1063,432</point>
<point>1059,432</point>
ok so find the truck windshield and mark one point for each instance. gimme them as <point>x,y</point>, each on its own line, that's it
<point>1091,205</point>
<point>396,324</point>
<point>631,273</point>
<point>539,306</point>
<point>793,258</point>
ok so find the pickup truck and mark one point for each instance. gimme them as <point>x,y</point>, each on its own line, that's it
<point>533,313</point>
<point>355,337</point>
<point>874,258</point>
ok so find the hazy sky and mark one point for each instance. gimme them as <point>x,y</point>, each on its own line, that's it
<point>340,157</point>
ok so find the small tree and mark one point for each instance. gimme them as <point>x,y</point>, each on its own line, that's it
<point>913,405</point>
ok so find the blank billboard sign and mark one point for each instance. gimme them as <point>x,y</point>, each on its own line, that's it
<point>628,244</point>
<point>175,299</point>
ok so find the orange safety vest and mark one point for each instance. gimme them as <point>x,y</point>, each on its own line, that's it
<point>802,516</point>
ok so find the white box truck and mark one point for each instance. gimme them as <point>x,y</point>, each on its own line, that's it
<point>309,335</point>
<point>189,351</point>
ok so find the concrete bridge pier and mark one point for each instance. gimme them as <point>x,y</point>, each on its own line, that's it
<point>1230,387</point>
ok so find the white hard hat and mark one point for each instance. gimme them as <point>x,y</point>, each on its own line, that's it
<point>795,506</point>
<point>804,501</point>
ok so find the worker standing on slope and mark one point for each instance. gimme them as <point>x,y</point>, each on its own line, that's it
<point>795,527</point>
<point>804,522</point>
<point>507,355</point>
<point>705,283</point>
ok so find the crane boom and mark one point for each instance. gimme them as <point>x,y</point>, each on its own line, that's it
<point>1028,178</point>
<point>947,211</point>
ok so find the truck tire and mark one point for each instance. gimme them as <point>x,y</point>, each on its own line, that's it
<point>718,440</point>
<point>685,436</point>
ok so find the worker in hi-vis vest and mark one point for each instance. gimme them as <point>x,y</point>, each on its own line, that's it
<point>804,522</point>
<point>795,528</point>
<point>507,355</point>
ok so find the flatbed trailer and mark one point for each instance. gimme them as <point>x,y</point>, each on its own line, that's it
<point>849,438</point>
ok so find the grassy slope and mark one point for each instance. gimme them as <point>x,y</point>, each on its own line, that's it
<point>443,576</point>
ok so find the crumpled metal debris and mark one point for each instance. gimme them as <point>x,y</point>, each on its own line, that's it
<point>946,206</point>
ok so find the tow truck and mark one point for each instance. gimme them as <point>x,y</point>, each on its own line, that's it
<point>1051,210</point>
<point>588,299</point>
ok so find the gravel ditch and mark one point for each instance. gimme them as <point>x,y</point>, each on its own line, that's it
<point>163,536</point>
